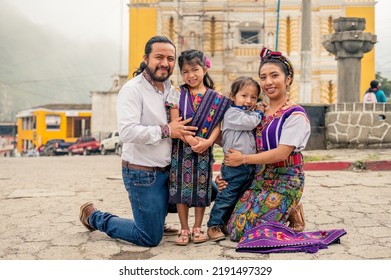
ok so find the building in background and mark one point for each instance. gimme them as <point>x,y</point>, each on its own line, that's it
<point>232,33</point>
<point>7,138</point>
<point>38,125</point>
<point>104,116</point>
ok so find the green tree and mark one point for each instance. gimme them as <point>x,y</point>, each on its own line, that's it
<point>385,85</point>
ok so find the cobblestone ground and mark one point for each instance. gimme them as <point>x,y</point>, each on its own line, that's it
<point>40,199</point>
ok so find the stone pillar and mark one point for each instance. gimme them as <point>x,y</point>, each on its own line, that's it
<point>306,69</point>
<point>349,77</point>
<point>348,44</point>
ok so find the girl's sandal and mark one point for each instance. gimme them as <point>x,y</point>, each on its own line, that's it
<point>199,236</point>
<point>183,238</point>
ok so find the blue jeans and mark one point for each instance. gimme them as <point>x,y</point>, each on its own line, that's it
<point>148,196</point>
<point>238,179</point>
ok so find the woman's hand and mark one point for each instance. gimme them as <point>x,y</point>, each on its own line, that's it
<point>221,184</point>
<point>202,146</point>
<point>234,158</point>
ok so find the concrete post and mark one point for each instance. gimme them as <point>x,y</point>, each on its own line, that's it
<point>349,76</point>
<point>348,44</point>
<point>306,65</point>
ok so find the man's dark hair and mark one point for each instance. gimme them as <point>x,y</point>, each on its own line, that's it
<point>148,50</point>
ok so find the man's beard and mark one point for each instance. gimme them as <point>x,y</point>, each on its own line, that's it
<point>156,78</point>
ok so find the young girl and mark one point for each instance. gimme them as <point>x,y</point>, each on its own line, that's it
<point>192,159</point>
<point>239,122</point>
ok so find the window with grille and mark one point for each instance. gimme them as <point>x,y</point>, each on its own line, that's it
<point>249,37</point>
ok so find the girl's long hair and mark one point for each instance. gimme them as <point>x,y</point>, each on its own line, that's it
<point>193,57</point>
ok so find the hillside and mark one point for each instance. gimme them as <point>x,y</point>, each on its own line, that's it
<point>40,66</point>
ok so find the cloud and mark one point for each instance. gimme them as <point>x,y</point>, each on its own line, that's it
<point>383,27</point>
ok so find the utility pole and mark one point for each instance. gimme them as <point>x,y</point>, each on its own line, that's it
<point>278,23</point>
<point>264,23</point>
<point>306,66</point>
<point>121,37</point>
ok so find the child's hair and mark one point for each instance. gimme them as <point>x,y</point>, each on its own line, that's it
<point>193,57</point>
<point>242,82</point>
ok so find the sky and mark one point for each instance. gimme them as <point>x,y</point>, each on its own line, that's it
<point>383,32</point>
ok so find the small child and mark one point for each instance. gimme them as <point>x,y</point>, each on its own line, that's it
<point>238,125</point>
<point>190,182</point>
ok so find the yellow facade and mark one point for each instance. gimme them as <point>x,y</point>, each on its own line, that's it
<point>142,26</point>
<point>37,126</point>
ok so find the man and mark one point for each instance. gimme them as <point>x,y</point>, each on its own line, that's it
<point>146,152</point>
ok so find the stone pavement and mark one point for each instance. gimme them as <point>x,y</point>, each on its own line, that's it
<point>40,199</point>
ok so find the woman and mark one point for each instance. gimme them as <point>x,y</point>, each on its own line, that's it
<point>281,135</point>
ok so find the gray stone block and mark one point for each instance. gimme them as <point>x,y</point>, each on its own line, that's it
<point>343,118</point>
<point>366,119</point>
<point>341,128</point>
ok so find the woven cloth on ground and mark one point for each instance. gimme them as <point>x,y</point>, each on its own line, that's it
<point>272,237</point>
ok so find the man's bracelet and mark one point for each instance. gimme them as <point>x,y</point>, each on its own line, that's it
<point>165,131</point>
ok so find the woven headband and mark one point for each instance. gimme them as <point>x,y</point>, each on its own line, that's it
<point>268,55</point>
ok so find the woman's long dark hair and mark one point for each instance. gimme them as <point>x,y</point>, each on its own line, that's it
<point>193,57</point>
<point>148,50</point>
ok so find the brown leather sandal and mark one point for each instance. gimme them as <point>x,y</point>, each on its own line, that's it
<point>296,218</point>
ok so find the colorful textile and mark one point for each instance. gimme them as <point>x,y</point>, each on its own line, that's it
<point>191,173</point>
<point>289,126</point>
<point>273,237</point>
<point>165,131</point>
<point>206,111</point>
<point>275,190</point>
